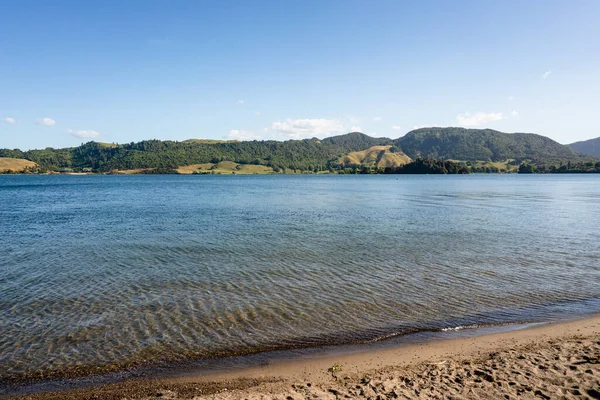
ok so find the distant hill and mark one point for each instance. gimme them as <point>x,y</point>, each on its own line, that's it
<point>376,157</point>
<point>312,155</point>
<point>355,141</point>
<point>480,149</point>
<point>15,164</point>
<point>226,168</point>
<point>483,144</point>
<point>590,147</point>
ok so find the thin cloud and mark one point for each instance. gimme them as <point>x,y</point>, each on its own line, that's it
<point>511,98</point>
<point>354,120</point>
<point>9,120</point>
<point>240,102</point>
<point>356,129</point>
<point>46,122</point>
<point>377,119</point>
<point>514,113</point>
<point>307,128</point>
<point>83,133</point>
<point>396,127</point>
<point>477,119</point>
<point>546,74</point>
<point>240,134</point>
<point>257,113</point>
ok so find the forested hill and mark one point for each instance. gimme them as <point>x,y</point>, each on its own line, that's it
<point>590,147</point>
<point>465,145</point>
<point>299,155</point>
<point>484,144</point>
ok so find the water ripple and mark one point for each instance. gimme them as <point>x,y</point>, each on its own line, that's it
<point>112,272</point>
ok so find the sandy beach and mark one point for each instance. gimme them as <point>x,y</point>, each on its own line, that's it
<point>559,360</point>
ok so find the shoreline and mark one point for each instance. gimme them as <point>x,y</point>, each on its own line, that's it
<point>320,375</point>
<point>79,377</point>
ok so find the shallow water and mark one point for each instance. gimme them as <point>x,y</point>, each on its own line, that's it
<point>100,272</point>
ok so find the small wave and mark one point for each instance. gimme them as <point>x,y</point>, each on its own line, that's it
<point>459,328</point>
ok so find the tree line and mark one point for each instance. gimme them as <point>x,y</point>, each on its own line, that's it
<point>434,150</point>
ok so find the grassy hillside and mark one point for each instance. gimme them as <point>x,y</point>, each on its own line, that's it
<point>15,164</point>
<point>225,168</point>
<point>484,145</point>
<point>590,147</point>
<point>109,145</point>
<point>376,157</point>
<point>209,141</point>
<point>501,166</point>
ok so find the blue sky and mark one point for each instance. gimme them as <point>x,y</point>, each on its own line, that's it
<point>122,71</point>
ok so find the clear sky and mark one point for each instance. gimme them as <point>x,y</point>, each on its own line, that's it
<point>122,71</point>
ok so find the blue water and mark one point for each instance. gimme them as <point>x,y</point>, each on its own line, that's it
<point>105,272</point>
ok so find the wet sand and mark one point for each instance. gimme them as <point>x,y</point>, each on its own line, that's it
<point>560,360</point>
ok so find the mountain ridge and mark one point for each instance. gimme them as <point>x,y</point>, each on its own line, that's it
<point>483,144</point>
<point>590,147</point>
<point>311,155</point>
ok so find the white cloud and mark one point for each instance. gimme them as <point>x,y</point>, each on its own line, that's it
<point>468,119</point>
<point>356,129</point>
<point>46,122</point>
<point>83,133</point>
<point>377,119</point>
<point>396,127</point>
<point>514,113</point>
<point>307,128</point>
<point>240,102</point>
<point>9,120</point>
<point>546,74</point>
<point>240,134</point>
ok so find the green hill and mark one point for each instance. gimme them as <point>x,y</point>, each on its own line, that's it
<point>590,147</point>
<point>481,149</point>
<point>356,141</point>
<point>484,145</point>
<point>312,155</point>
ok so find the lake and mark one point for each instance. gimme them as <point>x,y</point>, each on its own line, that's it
<point>103,273</point>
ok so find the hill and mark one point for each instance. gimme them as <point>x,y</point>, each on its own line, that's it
<point>376,157</point>
<point>312,155</point>
<point>15,164</point>
<point>484,145</point>
<point>225,168</point>
<point>482,150</point>
<point>590,147</point>
<point>355,141</point>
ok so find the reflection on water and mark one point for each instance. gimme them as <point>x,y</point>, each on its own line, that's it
<point>114,271</point>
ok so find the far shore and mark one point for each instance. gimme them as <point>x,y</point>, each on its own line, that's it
<point>556,360</point>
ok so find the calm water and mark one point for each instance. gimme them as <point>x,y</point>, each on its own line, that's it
<point>101,272</point>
